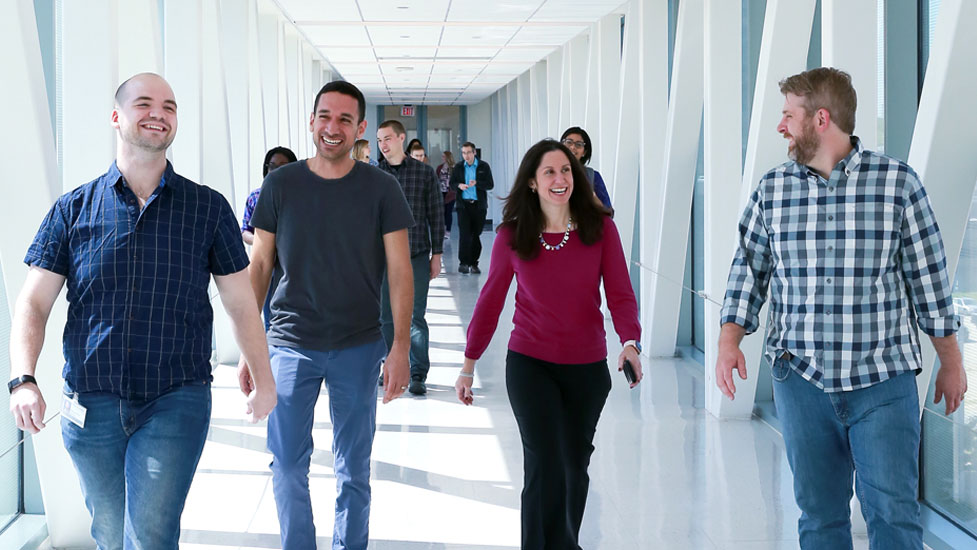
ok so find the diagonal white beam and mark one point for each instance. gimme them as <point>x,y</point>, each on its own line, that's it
<point>722,128</point>
<point>849,41</point>
<point>682,145</point>
<point>783,52</point>
<point>627,148</point>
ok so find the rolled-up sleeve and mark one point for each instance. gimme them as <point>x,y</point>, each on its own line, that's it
<point>749,275</point>
<point>924,265</point>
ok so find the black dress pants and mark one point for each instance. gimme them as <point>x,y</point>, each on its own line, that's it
<point>471,220</point>
<point>557,408</point>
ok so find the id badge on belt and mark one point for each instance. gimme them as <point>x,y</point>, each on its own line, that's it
<point>73,410</point>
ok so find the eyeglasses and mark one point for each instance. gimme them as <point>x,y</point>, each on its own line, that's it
<point>574,144</point>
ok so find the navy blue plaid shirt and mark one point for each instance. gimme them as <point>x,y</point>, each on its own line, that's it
<point>139,315</point>
<point>854,265</point>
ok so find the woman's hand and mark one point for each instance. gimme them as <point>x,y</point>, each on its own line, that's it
<point>631,355</point>
<point>463,386</point>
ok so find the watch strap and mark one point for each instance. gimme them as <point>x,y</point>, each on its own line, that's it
<point>20,381</point>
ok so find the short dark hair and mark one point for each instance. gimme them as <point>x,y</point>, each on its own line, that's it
<point>284,151</point>
<point>588,148</point>
<point>398,128</point>
<point>825,88</point>
<point>522,211</point>
<point>344,88</point>
<point>468,144</point>
<point>414,143</point>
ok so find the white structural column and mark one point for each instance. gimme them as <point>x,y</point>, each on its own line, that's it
<point>591,119</point>
<point>269,46</point>
<point>182,46</point>
<point>624,170</point>
<point>945,138</point>
<point>89,32</point>
<point>722,128</point>
<point>540,105</point>
<point>783,52</point>
<point>608,81</point>
<point>234,54</point>
<point>573,99</point>
<point>682,145</point>
<point>849,41</point>
<point>217,170</point>
<point>140,38</point>
<point>257,142</point>
<point>24,106</point>
<point>653,88</point>
<point>524,128</point>
<point>554,89</point>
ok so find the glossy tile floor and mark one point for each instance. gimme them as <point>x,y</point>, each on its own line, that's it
<point>666,475</point>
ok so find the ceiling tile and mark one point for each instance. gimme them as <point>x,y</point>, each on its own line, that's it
<point>419,35</point>
<point>477,36</point>
<point>456,68</point>
<point>474,10</point>
<point>349,69</point>
<point>313,10</point>
<point>523,54</point>
<point>346,55</point>
<point>416,10</point>
<point>336,35</point>
<point>455,52</point>
<point>401,51</point>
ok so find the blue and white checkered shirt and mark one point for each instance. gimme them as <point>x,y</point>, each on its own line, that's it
<point>139,315</point>
<point>854,265</point>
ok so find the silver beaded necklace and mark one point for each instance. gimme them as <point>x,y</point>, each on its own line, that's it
<point>566,237</point>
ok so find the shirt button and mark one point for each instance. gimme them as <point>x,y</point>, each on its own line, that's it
<point>830,248</point>
<point>847,171</point>
<point>827,344</point>
<point>830,217</point>
<point>831,189</point>
<point>828,280</point>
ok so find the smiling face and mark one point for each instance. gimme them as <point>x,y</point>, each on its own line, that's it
<point>390,142</point>
<point>576,144</point>
<point>335,125</point>
<point>418,154</point>
<point>145,114</point>
<point>553,181</point>
<point>798,129</point>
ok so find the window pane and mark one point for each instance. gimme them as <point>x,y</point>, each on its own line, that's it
<point>949,473</point>
<point>9,435</point>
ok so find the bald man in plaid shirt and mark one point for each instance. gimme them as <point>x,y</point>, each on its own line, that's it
<point>847,245</point>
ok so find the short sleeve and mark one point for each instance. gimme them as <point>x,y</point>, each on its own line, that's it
<point>395,213</point>
<point>50,250</point>
<point>227,254</point>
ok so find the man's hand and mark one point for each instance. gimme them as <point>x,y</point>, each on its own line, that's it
<point>951,384</point>
<point>396,372</point>
<point>463,186</point>
<point>435,266</point>
<point>244,379</point>
<point>260,403</point>
<point>260,400</point>
<point>28,407</point>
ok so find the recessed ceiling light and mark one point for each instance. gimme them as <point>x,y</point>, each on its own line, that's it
<point>403,7</point>
<point>405,36</point>
<point>405,69</point>
<point>477,37</point>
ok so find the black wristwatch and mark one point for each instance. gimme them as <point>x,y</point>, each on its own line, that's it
<point>17,382</point>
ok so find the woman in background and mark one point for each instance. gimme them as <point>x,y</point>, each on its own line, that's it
<point>558,243</point>
<point>447,191</point>
<point>578,142</point>
<point>361,152</point>
<point>274,158</point>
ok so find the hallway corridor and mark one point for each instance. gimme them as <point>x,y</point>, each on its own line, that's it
<point>666,474</point>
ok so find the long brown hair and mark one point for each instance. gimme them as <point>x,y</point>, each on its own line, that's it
<point>449,159</point>
<point>522,211</point>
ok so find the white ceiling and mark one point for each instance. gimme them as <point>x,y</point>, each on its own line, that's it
<point>439,52</point>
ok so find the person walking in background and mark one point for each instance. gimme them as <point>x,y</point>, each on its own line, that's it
<point>556,368</point>
<point>274,158</point>
<point>136,248</point>
<point>443,172</point>
<point>420,186</point>
<point>335,226</point>
<point>846,242</point>
<point>472,180</point>
<point>361,152</point>
<point>578,142</point>
<point>419,154</point>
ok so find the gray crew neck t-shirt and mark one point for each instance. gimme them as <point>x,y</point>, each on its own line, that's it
<point>329,240</point>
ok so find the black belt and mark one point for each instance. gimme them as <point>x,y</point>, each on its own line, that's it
<point>470,201</point>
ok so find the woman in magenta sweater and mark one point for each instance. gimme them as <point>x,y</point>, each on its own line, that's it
<point>559,244</point>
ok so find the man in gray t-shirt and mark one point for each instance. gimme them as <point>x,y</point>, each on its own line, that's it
<point>335,225</point>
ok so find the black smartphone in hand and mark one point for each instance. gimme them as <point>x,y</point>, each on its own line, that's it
<point>629,372</point>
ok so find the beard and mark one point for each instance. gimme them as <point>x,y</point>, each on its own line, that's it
<point>805,145</point>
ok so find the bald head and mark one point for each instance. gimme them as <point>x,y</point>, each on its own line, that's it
<point>123,93</point>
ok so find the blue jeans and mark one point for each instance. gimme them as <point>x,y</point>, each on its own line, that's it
<point>871,434</point>
<point>420,358</point>
<point>135,461</point>
<point>351,378</point>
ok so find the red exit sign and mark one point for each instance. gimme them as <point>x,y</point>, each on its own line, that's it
<point>407,110</point>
